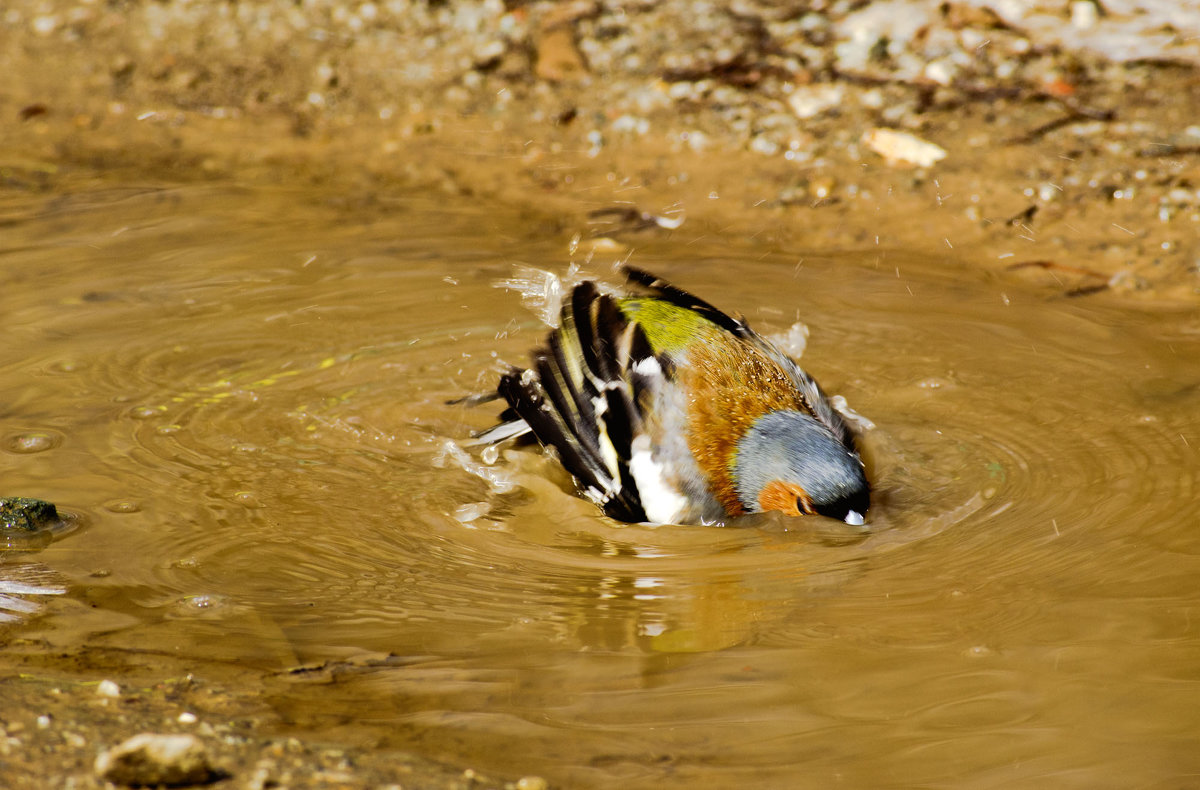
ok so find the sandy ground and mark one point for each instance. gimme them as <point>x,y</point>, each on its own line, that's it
<point>1055,145</point>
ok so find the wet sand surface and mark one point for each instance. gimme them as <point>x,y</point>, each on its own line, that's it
<point>251,251</point>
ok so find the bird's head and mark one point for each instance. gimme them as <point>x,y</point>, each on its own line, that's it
<point>790,462</point>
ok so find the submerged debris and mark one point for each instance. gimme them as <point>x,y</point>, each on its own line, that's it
<point>630,218</point>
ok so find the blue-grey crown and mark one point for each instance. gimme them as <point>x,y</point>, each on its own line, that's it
<point>793,447</point>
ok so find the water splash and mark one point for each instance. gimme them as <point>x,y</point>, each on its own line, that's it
<point>499,482</point>
<point>541,291</point>
<point>794,341</point>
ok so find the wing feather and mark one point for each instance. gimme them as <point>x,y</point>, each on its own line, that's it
<point>579,398</point>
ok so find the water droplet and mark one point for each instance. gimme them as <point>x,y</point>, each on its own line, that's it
<point>122,506</point>
<point>247,499</point>
<point>203,604</point>
<point>63,366</point>
<point>32,442</point>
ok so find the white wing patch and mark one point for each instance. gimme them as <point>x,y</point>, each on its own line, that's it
<point>648,367</point>
<point>661,502</point>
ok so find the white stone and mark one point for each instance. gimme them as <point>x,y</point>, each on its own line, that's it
<point>156,759</point>
<point>809,101</point>
<point>903,147</point>
<point>1084,14</point>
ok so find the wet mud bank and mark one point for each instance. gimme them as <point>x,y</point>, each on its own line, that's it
<point>1056,145</point>
<point>65,715</point>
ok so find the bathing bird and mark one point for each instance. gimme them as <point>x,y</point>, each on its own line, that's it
<point>667,410</point>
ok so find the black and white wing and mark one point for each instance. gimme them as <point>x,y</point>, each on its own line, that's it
<point>584,397</point>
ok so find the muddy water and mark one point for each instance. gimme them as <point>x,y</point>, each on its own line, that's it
<point>240,396</point>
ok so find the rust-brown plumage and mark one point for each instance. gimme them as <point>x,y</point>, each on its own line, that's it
<point>728,392</point>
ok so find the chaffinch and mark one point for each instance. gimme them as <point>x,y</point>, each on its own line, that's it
<point>667,410</point>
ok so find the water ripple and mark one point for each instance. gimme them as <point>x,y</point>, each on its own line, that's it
<point>253,414</point>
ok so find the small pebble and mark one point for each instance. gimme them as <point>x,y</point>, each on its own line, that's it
<point>107,688</point>
<point>1084,14</point>
<point>809,101</point>
<point>45,25</point>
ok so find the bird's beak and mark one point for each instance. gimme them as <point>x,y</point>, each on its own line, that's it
<point>854,518</point>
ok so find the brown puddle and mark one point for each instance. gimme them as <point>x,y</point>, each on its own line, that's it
<point>241,394</point>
